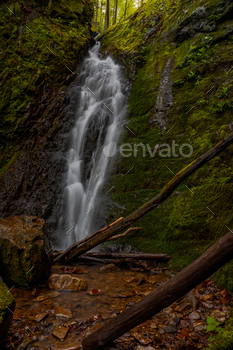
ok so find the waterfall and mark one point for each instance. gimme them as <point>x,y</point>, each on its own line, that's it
<point>94,138</point>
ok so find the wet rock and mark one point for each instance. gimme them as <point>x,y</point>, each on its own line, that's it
<point>61,332</point>
<point>66,282</point>
<point>109,267</point>
<point>169,329</point>
<point>62,312</point>
<point>7,307</point>
<point>94,291</point>
<point>194,315</point>
<point>183,307</point>
<point>175,321</point>
<point>208,305</point>
<point>25,259</point>
<point>164,99</point>
<point>40,317</point>
<point>219,315</point>
<point>24,343</point>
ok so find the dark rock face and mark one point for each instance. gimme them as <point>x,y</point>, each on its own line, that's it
<point>32,183</point>
<point>7,307</point>
<point>25,253</point>
<point>165,97</point>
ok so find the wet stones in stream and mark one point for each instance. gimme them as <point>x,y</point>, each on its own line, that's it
<point>59,320</point>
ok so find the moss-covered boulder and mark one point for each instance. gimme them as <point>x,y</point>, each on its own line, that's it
<point>7,306</point>
<point>25,253</point>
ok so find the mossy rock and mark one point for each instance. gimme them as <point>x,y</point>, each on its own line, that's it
<point>7,307</point>
<point>25,255</point>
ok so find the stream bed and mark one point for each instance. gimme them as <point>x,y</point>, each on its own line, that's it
<point>58,320</point>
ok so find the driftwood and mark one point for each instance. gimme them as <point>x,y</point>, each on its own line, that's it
<point>102,236</point>
<point>164,295</point>
<point>125,233</point>
<point>137,256</point>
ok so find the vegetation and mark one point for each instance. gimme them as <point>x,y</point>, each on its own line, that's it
<point>199,212</point>
<point>37,44</point>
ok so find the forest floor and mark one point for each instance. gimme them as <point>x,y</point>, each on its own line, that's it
<point>49,319</point>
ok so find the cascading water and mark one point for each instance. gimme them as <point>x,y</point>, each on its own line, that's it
<point>99,123</point>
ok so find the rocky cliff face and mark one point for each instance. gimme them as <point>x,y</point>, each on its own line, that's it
<point>41,52</point>
<point>178,56</point>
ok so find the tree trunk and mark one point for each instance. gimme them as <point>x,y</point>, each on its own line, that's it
<point>96,15</point>
<point>164,295</point>
<point>126,1</point>
<point>50,4</point>
<point>102,236</point>
<point>115,19</point>
<point>137,256</point>
<point>107,15</point>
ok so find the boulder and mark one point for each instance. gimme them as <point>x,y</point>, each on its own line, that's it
<point>25,253</point>
<point>7,307</point>
<point>66,282</point>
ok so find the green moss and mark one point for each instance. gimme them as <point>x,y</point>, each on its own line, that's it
<point>6,300</point>
<point>224,340</point>
<point>201,115</point>
<point>36,45</point>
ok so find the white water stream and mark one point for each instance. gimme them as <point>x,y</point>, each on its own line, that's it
<point>99,123</point>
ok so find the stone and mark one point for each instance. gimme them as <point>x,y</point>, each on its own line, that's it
<point>7,307</point>
<point>109,267</point>
<point>66,282</point>
<point>25,259</point>
<point>62,312</point>
<point>174,321</point>
<point>207,305</point>
<point>169,329</point>
<point>61,332</point>
<point>219,315</point>
<point>40,317</point>
<point>25,343</point>
<point>194,315</point>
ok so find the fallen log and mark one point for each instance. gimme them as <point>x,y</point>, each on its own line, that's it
<point>75,245</point>
<point>164,295</point>
<point>102,236</point>
<point>125,233</point>
<point>137,256</point>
